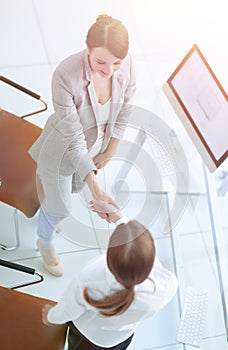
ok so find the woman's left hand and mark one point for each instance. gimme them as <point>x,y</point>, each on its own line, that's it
<point>45,311</point>
<point>101,160</point>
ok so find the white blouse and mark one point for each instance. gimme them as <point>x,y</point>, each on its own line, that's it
<point>109,331</point>
<point>103,112</point>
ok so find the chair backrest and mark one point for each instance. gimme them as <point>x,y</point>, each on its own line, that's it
<point>18,186</point>
<point>21,325</point>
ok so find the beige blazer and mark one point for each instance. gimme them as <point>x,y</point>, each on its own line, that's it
<point>72,130</point>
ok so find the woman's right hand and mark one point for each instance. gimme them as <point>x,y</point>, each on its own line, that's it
<point>104,209</point>
<point>100,194</point>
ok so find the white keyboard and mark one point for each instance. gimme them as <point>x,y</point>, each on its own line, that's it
<point>161,157</point>
<point>193,316</point>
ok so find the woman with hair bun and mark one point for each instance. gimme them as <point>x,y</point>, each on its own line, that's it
<point>91,92</point>
<point>106,301</point>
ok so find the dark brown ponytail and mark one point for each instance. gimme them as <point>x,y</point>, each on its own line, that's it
<point>112,305</point>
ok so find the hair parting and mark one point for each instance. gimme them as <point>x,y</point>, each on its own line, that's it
<point>110,33</point>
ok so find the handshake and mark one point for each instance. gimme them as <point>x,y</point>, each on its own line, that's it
<point>108,211</point>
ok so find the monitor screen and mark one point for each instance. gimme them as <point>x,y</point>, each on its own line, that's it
<point>202,105</point>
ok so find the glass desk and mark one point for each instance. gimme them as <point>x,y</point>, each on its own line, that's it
<point>194,248</point>
<point>200,243</point>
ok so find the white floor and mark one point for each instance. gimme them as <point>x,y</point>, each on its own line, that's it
<point>35,36</point>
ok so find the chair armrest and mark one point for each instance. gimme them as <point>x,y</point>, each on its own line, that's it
<point>29,270</point>
<point>26,91</point>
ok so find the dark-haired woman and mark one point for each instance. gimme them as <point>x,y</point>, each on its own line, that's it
<point>91,93</point>
<point>106,301</point>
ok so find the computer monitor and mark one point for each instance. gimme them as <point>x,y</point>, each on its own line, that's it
<point>202,105</point>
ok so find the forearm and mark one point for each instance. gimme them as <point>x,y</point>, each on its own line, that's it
<point>92,183</point>
<point>95,188</point>
<point>112,146</point>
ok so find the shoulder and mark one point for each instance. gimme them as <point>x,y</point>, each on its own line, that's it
<point>158,290</point>
<point>94,268</point>
<point>165,281</point>
<point>72,60</point>
<point>71,67</point>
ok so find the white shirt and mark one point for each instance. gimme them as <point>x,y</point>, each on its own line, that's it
<point>103,112</point>
<point>109,331</point>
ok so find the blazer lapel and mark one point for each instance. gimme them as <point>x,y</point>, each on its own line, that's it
<point>117,89</point>
<point>93,100</point>
<point>116,103</point>
<point>117,99</point>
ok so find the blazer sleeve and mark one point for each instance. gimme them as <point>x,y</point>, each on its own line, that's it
<point>123,116</point>
<point>68,124</point>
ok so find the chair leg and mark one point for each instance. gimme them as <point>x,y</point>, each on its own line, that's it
<point>16,225</point>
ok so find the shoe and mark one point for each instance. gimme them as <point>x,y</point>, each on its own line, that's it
<point>51,261</point>
<point>56,270</point>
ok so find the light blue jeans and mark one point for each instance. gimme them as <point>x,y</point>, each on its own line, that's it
<point>56,204</point>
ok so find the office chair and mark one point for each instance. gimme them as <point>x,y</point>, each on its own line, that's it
<point>21,324</point>
<point>18,183</point>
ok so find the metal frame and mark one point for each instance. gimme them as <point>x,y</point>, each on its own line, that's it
<point>22,268</point>
<point>17,236</point>
<point>26,91</point>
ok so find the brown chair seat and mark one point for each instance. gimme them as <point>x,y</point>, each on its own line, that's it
<point>17,168</point>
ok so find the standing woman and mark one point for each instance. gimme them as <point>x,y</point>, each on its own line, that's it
<point>91,92</point>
